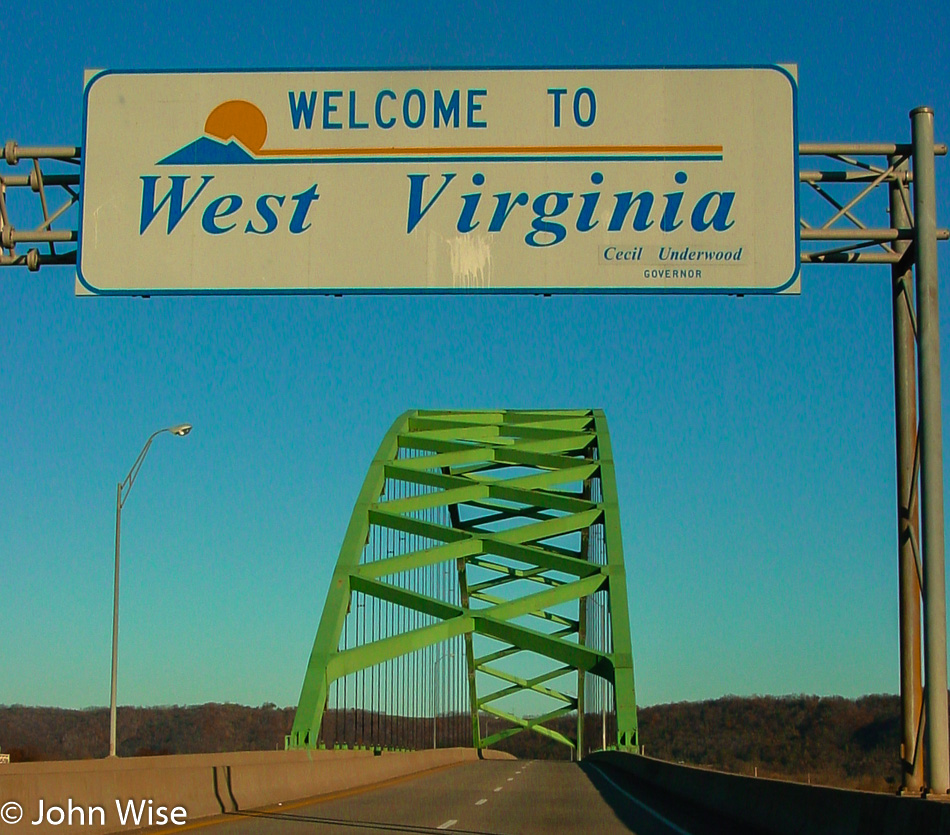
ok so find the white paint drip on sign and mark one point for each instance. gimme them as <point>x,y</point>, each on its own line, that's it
<point>470,260</point>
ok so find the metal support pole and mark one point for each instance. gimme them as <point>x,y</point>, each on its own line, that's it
<point>115,624</point>
<point>121,496</point>
<point>908,512</point>
<point>937,739</point>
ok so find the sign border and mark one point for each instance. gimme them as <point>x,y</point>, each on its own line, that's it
<point>443,291</point>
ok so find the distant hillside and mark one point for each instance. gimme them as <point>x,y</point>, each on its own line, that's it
<point>834,741</point>
<point>51,733</point>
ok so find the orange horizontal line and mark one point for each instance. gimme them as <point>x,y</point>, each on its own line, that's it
<point>534,149</point>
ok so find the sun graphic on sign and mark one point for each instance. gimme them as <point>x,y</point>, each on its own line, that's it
<point>238,120</point>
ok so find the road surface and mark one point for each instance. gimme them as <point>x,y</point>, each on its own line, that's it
<point>501,797</point>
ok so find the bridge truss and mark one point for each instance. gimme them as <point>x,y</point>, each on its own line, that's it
<point>480,590</point>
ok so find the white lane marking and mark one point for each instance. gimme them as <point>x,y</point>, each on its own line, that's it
<point>641,804</point>
<point>480,802</point>
<point>518,771</point>
<point>447,824</point>
<point>511,779</point>
<point>499,788</point>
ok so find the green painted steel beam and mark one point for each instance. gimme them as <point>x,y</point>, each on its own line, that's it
<point>543,482</point>
<point>512,575</point>
<point>404,597</point>
<point>498,695</point>
<point>533,603</point>
<point>475,471</point>
<point>534,684</point>
<point>497,512</point>
<point>416,527</point>
<point>537,531</point>
<point>570,471</point>
<point>507,652</point>
<point>590,660</point>
<point>543,557</point>
<point>533,724</point>
<point>461,549</point>
<point>469,433</point>
<point>426,501</point>
<point>448,459</point>
<point>556,446</point>
<point>358,658</point>
<point>423,421</point>
<point>517,456</point>
<point>422,443</point>
<point>540,498</point>
<point>541,614</point>
<point>425,477</point>
<point>502,513</point>
<point>625,692</point>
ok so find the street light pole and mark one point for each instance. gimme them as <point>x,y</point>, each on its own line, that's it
<point>122,494</point>
<point>435,692</point>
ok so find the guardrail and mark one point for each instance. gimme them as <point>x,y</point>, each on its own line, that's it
<point>94,795</point>
<point>781,807</point>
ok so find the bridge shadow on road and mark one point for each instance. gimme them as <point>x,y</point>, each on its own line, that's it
<point>642,808</point>
<point>373,826</point>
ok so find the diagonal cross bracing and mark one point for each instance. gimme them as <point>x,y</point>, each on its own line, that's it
<point>469,526</point>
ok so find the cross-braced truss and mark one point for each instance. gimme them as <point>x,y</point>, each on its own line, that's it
<point>43,184</point>
<point>518,509</point>
<point>839,226</point>
<point>839,236</point>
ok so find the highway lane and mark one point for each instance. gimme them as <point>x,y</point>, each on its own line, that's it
<point>501,797</point>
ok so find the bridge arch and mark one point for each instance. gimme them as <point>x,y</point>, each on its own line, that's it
<point>482,563</point>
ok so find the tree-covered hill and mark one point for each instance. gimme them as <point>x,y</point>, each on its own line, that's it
<point>834,741</point>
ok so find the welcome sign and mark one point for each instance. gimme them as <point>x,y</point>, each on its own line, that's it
<point>542,180</point>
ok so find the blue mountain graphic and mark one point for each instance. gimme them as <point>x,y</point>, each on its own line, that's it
<point>207,151</point>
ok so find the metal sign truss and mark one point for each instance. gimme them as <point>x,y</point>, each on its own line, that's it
<point>851,181</point>
<point>491,538</point>
<point>841,238</point>
<point>42,184</point>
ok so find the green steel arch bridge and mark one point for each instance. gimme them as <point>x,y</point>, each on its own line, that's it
<point>480,591</point>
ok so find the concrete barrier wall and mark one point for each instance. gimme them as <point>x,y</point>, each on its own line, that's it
<point>786,808</point>
<point>200,784</point>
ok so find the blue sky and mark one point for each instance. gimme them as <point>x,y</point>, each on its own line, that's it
<point>753,437</point>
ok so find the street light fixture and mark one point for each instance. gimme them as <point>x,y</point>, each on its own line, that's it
<point>122,494</point>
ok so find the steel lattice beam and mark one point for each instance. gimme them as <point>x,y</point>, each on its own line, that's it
<point>42,183</point>
<point>843,237</point>
<point>496,493</point>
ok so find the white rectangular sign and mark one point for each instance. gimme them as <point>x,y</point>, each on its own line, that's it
<point>543,180</point>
